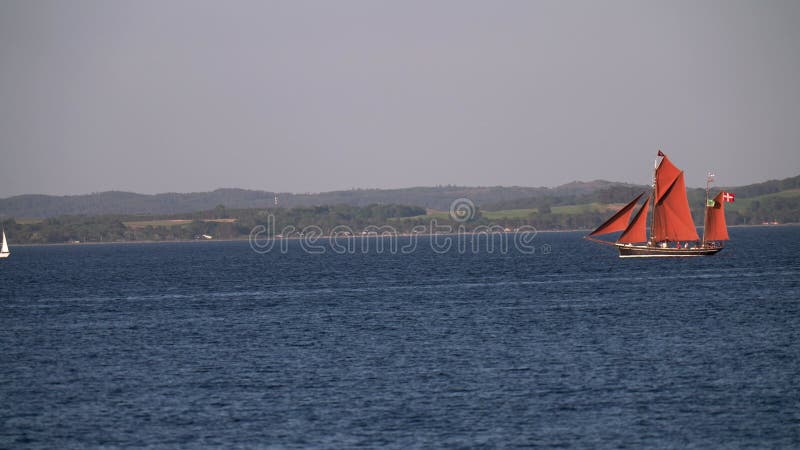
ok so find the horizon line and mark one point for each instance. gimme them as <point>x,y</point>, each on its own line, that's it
<point>438,186</point>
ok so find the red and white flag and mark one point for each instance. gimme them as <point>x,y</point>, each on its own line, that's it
<point>728,197</point>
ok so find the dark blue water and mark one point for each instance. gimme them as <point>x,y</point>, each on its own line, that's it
<point>211,344</point>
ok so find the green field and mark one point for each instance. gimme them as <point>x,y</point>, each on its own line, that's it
<point>509,213</point>
<point>522,213</point>
<point>156,223</point>
<point>565,209</point>
<point>24,221</point>
<point>168,222</point>
<point>439,215</point>
<point>744,203</point>
<point>586,208</point>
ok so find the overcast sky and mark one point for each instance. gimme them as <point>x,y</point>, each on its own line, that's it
<point>308,96</point>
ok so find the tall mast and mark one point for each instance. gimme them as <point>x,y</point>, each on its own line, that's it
<point>709,180</point>
<point>653,196</point>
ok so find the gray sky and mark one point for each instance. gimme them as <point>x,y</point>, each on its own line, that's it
<point>306,96</point>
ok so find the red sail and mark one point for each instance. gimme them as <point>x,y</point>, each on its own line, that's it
<point>672,220</point>
<point>666,174</point>
<point>618,221</point>
<point>637,230</point>
<point>715,229</point>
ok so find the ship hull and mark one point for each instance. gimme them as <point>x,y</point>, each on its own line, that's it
<point>645,251</point>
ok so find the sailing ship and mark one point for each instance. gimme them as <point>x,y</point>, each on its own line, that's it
<point>672,230</point>
<point>4,250</point>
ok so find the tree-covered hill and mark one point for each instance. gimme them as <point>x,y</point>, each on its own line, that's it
<point>490,198</point>
<point>116,202</point>
<point>47,219</point>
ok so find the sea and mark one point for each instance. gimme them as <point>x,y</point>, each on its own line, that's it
<point>557,344</point>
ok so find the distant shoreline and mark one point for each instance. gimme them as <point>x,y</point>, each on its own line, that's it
<point>297,238</point>
<point>293,238</point>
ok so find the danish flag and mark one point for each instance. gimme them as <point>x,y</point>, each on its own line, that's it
<point>728,197</point>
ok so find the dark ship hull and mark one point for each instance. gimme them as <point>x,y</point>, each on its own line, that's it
<point>645,251</point>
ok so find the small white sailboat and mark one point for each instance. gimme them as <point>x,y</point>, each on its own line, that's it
<point>4,251</point>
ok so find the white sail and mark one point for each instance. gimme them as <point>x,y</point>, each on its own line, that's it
<point>4,251</point>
